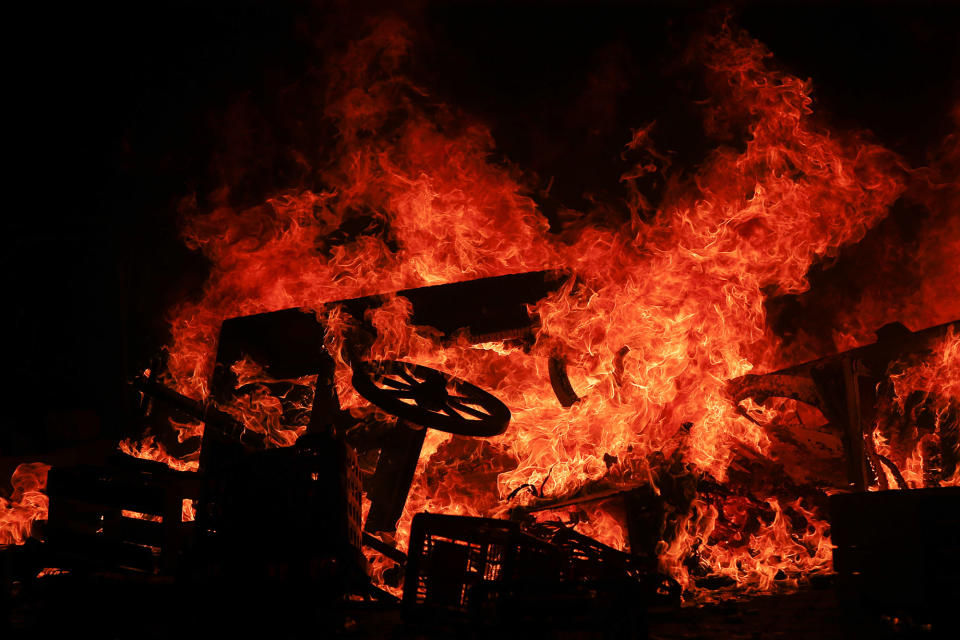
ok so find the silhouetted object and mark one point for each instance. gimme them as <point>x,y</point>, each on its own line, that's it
<point>126,516</point>
<point>285,518</point>
<point>431,398</point>
<point>542,579</point>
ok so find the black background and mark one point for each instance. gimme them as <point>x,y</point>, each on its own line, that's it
<point>119,111</point>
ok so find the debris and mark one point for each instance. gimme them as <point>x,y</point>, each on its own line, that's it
<point>544,575</point>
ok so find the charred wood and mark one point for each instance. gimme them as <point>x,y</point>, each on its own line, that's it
<point>561,383</point>
<point>391,482</point>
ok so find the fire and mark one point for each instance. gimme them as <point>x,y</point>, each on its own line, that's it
<point>920,432</point>
<point>659,312</point>
<point>150,449</point>
<point>26,504</point>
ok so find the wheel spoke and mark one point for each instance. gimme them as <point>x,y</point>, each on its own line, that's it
<point>465,399</point>
<point>459,406</point>
<point>401,393</point>
<point>406,375</point>
<point>450,411</point>
<point>396,384</point>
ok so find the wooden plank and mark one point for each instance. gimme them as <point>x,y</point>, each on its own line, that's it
<point>391,481</point>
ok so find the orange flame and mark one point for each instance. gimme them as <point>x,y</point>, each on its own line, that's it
<point>26,504</point>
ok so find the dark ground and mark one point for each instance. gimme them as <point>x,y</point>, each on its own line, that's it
<point>149,612</point>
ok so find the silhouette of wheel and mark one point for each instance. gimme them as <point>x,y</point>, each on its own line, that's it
<point>431,398</point>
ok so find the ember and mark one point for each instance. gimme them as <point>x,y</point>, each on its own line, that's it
<point>412,380</point>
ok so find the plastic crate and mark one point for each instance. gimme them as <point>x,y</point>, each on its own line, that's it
<point>589,562</point>
<point>124,516</point>
<point>456,564</point>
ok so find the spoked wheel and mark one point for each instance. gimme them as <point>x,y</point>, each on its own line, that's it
<point>431,398</point>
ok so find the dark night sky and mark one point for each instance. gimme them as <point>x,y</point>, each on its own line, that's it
<point>118,112</point>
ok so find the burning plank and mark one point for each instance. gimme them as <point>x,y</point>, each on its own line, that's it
<point>845,388</point>
<point>289,343</point>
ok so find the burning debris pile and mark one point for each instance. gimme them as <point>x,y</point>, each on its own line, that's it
<point>404,382</point>
<point>324,489</point>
